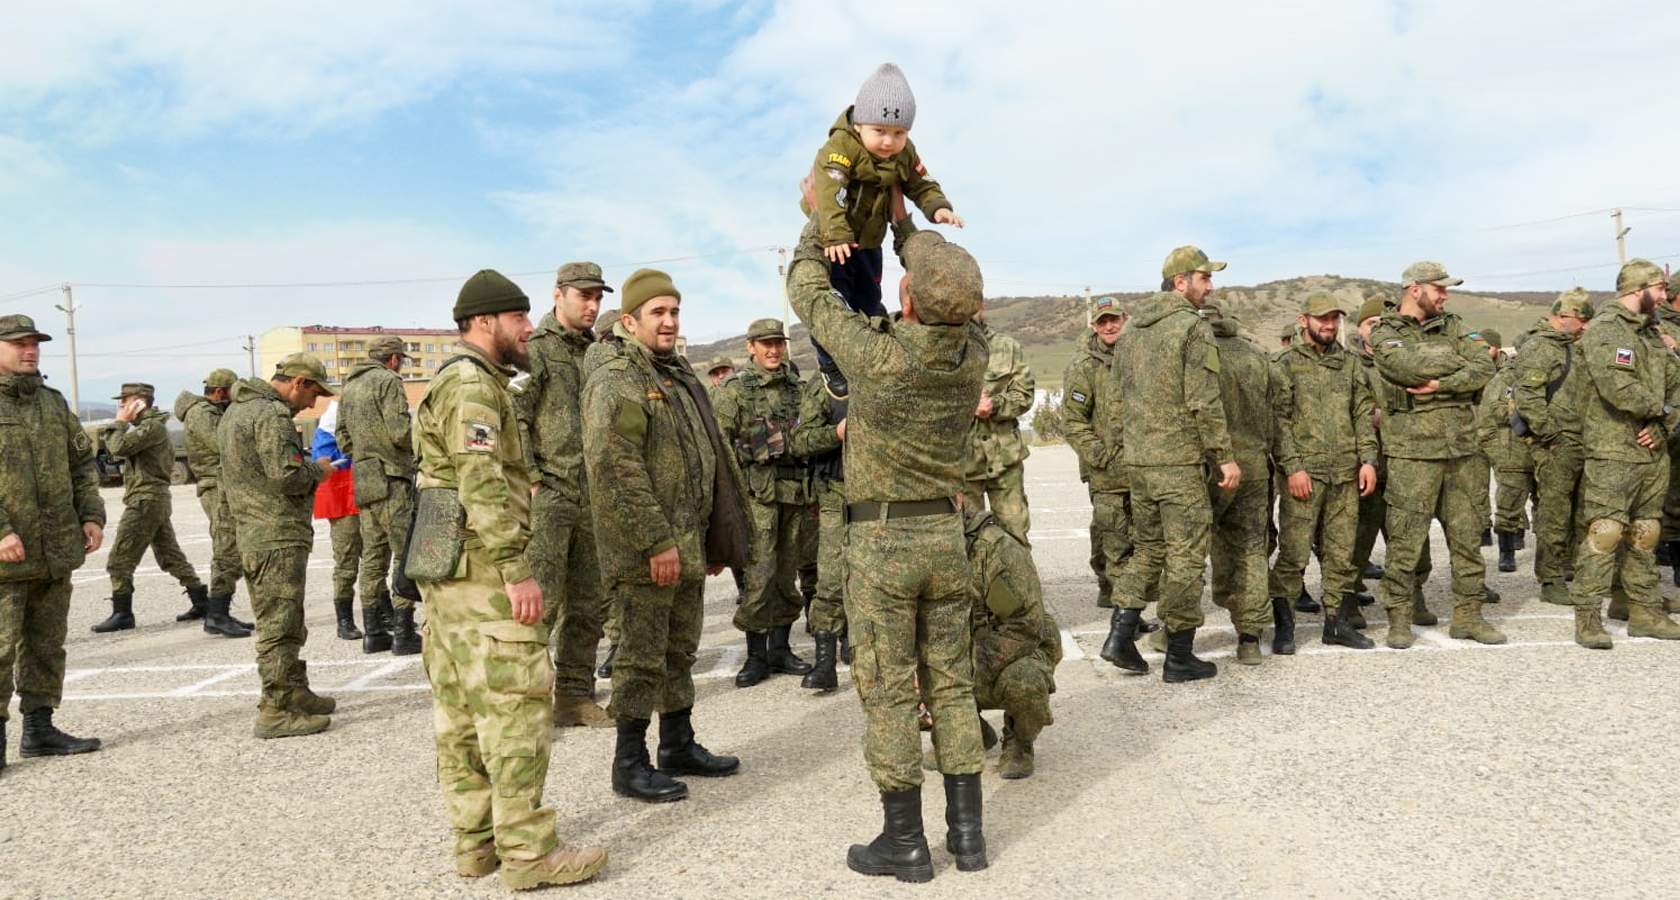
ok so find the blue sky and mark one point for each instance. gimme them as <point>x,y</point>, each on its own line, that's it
<point>196,143</point>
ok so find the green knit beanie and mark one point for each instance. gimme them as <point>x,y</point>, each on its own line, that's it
<point>487,293</point>
<point>644,285</point>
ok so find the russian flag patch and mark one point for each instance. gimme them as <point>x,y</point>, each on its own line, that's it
<point>1624,356</point>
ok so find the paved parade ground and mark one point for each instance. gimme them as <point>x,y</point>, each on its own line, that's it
<point>1534,769</point>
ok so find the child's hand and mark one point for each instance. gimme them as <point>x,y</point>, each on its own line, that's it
<point>839,253</point>
<point>946,217</point>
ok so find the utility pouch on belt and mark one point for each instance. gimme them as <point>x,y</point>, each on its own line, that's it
<point>368,474</point>
<point>435,546</point>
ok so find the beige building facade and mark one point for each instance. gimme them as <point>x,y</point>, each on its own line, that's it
<point>340,348</point>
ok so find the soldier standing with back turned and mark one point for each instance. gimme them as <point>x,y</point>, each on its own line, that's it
<point>201,415</point>
<point>995,465</point>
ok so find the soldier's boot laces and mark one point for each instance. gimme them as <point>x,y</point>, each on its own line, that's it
<point>1352,613</point>
<point>1468,624</point>
<point>782,659</point>
<point>562,865</point>
<point>1016,759</point>
<point>822,676</point>
<point>477,862</point>
<point>756,668</point>
<point>1651,621</point>
<point>1283,627</point>
<point>901,849</point>
<point>1555,592</point>
<point>1340,631</point>
<point>633,774</point>
<point>1182,664</point>
<point>274,722</point>
<point>1589,629</point>
<point>1248,649</point>
<point>347,631</point>
<point>198,598</point>
<point>121,618</point>
<point>964,835</point>
<point>1618,606</point>
<point>1400,636</point>
<point>1420,610</point>
<point>217,620</point>
<point>1507,551</point>
<point>375,637</point>
<point>681,754</point>
<point>574,711</point>
<point>1120,648</point>
<point>1305,603</point>
<point>42,738</point>
<point>405,641</point>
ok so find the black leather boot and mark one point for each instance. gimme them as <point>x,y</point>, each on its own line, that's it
<point>405,641</point>
<point>1338,630</point>
<point>757,666</point>
<point>346,611</point>
<point>680,754</point>
<point>387,614</point>
<point>901,849</point>
<point>1120,648</point>
<point>248,626</point>
<point>846,645</point>
<point>1487,537</point>
<point>604,670</point>
<point>822,677</point>
<point>633,775</point>
<point>40,738</point>
<point>375,637</point>
<point>782,659</point>
<point>964,837</point>
<point>1283,627</point>
<point>217,621</point>
<point>199,597</point>
<point>1507,551</point>
<point>1373,572</point>
<point>1305,603</point>
<point>122,615</point>
<point>1489,595</point>
<point>1182,663</point>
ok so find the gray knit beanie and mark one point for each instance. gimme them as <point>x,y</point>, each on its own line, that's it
<point>885,99</point>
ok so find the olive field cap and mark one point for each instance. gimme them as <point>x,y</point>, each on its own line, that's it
<point>302,365</point>
<point>581,275</point>
<point>1427,272</point>
<point>1493,337</point>
<point>766,330</point>
<point>17,327</point>
<point>221,378</point>
<point>136,389</point>
<point>1372,308</point>
<point>644,285</point>
<point>1638,275</point>
<point>1287,332</point>
<point>1319,303</point>
<point>719,362</point>
<point>488,293</point>
<point>1105,306</point>
<point>1188,259</point>
<point>1574,302</point>
<point>385,347</point>
<point>945,283</point>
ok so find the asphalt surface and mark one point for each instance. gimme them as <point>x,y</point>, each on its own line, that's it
<point>1532,770</point>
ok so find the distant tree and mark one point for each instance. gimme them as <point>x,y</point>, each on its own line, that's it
<point>1047,420</point>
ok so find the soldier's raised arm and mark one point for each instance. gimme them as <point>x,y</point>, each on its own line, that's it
<point>125,439</point>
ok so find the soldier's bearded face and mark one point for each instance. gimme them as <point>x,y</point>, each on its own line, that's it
<point>1197,286</point>
<point>1571,325</point>
<point>1108,329</point>
<point>1651,298</point>
<point>509,333</point>
<point>20,357</point>
<point>1323,329</point>
<point>655,324</point>
<point>577,308</point>
<point>768,353</point>
<point>1432,298</point>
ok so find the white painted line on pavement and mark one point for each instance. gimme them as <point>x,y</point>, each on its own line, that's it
<point>390,668</point>
<point>232,672</point>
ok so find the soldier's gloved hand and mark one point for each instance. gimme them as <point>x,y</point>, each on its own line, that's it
<point>664,567</point>
<point>11,548</point>
<point>93,536</point>
<point>525,598</point>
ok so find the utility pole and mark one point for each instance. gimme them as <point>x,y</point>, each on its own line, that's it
<point>1087,304</point>
<point>251,348</point>
<point>69,310</point>
<point>781,274</point>
<point>1621,234</point>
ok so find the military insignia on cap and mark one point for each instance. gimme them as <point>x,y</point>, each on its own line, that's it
<point>1624,356</point>
<point>594,270</point>
<point>481,437</point>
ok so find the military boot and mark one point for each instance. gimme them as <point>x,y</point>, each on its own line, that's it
<point>757,666</point>
<point>274,722</point>
<point>1351,612</point>
<point>1420,610</point>
<point>964,836</point>
<point>822,677</point>
<point>782,659</point>
<point>1554,591</point>
<point>1468,624</point>
<point>570,712</point>
<point>248,626</point>
<point>1670,605</point>
<point>1373,572</point>
<point>387,613</point>
<point>1489,595</point>
<point>1016,758</point>
<point>633,774</point>
<point>1248,649</point>
<point>405,641</point>
<point>304,700</point>
<point>42,738</point>
<point>846,646</point>
<point>1120,648</point>
<point>477,862</point>
<point>1182,663</point>
<point>122,615</point>
<point>1618,605</point>
<point>217,620</point>
<point>199,598</point>
<point>347,631</point>
<point>1643,621</point>
<point>1305,603</point>
<point>1283,627</point>
<point>1400,636</point>
<point>834,381</point>
<point>376,638</point>
<point>562,865</point>
<point>1589,629</point>
<point>1338,630</point>
<point>1507,552</point>
<point>901,849</point>
<point>681,754</point>
<point>1487,537</point>
<point>604,670</point>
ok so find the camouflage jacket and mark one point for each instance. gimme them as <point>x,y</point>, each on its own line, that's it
<point>757,412</point>
<point>1441,425</point>
<point>914,387</point>
<point>1088,419</point>
<point>1249,400</point>
<point>995,444</point>
<point>854,189</point>
<point>147,453</point>
<point>48,484</point>
<point>1165,387</point>
<point>1009,619</point>
<point>1668,319</point>
<point>373,419</point>
<point>1493,418</point>
<point>660,476</point>
<point>199,420</point>
<point>1549,385</point>
<point>267,475</point>
<point>549,406</point>
<point>1635,382</point>
<point>1325,412</point>
<point>814,438</point>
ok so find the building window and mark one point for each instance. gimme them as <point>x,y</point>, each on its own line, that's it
<point>311,348</point>
<point>412,348</point>
<point>431,363</point>
<point>446,348</point>
<point>429,349</point>
<point>330,363</point>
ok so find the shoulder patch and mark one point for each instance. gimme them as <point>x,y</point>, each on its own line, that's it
<point>1475,336</point>
<point>1394,345</point>
<point>1212,361</point>
<point>1535,378</point>
<point>631,422</point>
<point>1624,357</point>
<point>1077,396</point>
<point>481,437</point>
<point>839,159</point>
<point>1001,600</point>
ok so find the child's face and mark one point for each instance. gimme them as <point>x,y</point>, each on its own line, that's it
<point>882,141</point>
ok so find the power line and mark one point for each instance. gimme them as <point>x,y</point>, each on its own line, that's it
<point>32,292</point>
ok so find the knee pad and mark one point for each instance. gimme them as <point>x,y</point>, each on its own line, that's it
<point>1603,535</point>
<point>1646,533</point>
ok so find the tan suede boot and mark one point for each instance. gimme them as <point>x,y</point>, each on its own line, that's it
<point>1400,634</point>
<point>1589,629</point>
<point>1468,624</point>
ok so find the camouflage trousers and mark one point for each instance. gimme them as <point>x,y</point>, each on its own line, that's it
<point>1454,491</point>
<point>346,532</point>
<point>1557,511</point>
<point>1007,496</point>
<point>1022,690</point>
<point>562,557</point>
<point>1621,504</point>
<point>384,527</point>
<point>491,682</point>
<point>33,623</point>
<point>1171,519</point>
<point>1111,540</point>
<point>809,539</point>
<point>1327,521</point>
<point>1671,501</point>
<point>1514,489</point>
<point>145,523</point>
<point>1237,546</point>
<point>907,596</point>
<point>772,596</point>
<point>1373,520</point>
<point>659,637</point>
<point>276,580</point>
<point>828,609</point>
<point>224,542</point>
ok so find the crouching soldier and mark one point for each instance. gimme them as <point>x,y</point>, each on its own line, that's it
<point>1017,645</point>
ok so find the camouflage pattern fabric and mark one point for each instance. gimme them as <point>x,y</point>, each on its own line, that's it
<point>384,539</point>
<point>1094,435</point>
<point>225,565</point>
<point>374,428</point>
<point>1668,326</point>
<point>1373,509</point>
<point>854,189</point>
<point>757,411</point>
<point>1548,393</point>
<point>815,440</point>
<point>147,453</point>
<point>276,578</point>
<point>346,535</point>
<point>145,524</point>
<point>993,467</point>
<point>33,617</point>
<point>1237,542</point>
<point>199,420</point>
<point>1508,455</point>
<point>1017,645</point>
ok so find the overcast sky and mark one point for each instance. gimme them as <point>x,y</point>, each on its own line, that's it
<point>178,143</point>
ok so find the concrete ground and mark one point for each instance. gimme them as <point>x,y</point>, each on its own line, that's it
<point>1536,769</point>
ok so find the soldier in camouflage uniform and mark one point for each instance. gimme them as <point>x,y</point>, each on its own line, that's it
<point>201,415</point>
<point>1017,645</point>
<point>819,439</point>
<point>1510,457</point>
<point>1328,456</point>
<point>335,501</point>
<point>1627,415</point>
<point>994,466</point>
<point>374,431</point>
<point>1095,438</point>
<point>51,517</point>
<point>757,410</point>
<point>486,653</point>
<point>1668,550</point>
<point>668,504</point>
<point>1432,369</point>
<point>1166,382</point>
<point>717,372</point>
<point>139,439</point>
<point>270,482</point>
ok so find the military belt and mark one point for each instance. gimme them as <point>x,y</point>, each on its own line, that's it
<point>870,510</point>
<point>790,473</point>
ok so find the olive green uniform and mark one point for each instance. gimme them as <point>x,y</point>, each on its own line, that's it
<point>1093,431</point>
<point>199,420</point>
<point>993,470</point>
<point>1668,324</point>
<point>1548,392</point>
<point>375,431</point>
<point>1512,462</point>
<point>815,440</point>
<point>1017,644</point>
<point>148,466</point>
<point>854,192</point>
<point>1237,544</point>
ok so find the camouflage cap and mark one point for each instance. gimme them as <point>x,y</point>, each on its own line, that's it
<point>766,330</point>
<point>719,362</point>
<point>1637,275</point>
<point>1427,272</point>
<point>18,327</point>
<point>1287,332</point>
<point>386,346</point>
<point>1493,337</point>
<point>221,378</point>
<point>1372,308</point>
<point>136,389</point>
<point>1574,302</point>
<point>303,365</point>
<point>1188,259</point>
<point>1106,306</point>
<point>945,283</point>
<point>1319,303</point>
<point>581,275</point>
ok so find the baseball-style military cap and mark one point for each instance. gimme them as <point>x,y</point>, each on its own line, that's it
<point>1105,306</point>
<point>719,362</point>
<point>1188,259</point>
<point>221,378</point>
<point>1637,275</point>
<point>1427,272</point>
<point>386,346</point>
<point>945,283</point>
<point>766,330</point>
<point>1493,337</point>
<point>1319,303</point>
<point>581,275</point>
<point>136,389</point>
<point>1574,302</point>
<point>17,327</point>
<point>1372,308</point>
<point>302,365</point>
